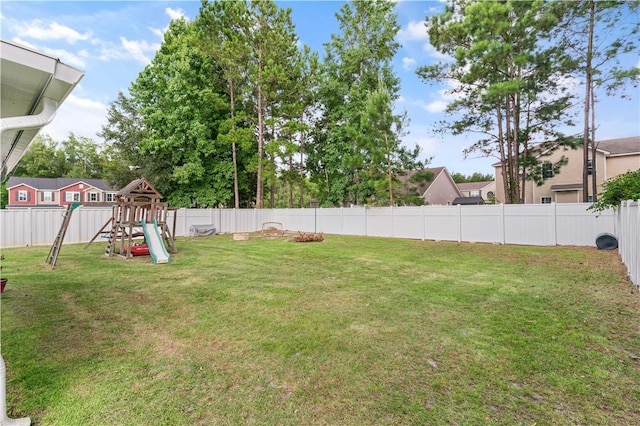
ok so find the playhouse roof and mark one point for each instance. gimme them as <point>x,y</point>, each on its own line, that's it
<point>139,188</point>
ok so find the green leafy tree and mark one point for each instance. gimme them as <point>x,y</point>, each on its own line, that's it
<point>123,135</point>
<point>475,177</point>
<point>4,195</point>
<point>508,82</point>
<point>43,159</point>
<point>273,41</point>
<point>297,112</point>
<point>225,32</point>
<point>83,157</point>
<point>74,157</point>
<point>412,185</point>
<point>181,102</point>
<point>381,142</point>
<point>620,188</point>
<point>355,60</point>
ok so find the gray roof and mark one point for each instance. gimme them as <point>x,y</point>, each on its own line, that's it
<point>473,186</point>
<point>55,184</point>
<point>467,201</point>
<point>621,146</point>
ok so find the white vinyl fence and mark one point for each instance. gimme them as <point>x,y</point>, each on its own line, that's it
<point>541,224</point>
<point>628,226</point>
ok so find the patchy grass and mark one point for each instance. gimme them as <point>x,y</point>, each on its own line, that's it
<point>347,331</point>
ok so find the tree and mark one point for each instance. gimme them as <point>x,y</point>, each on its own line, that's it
<point>43,159</point>
<point>508,82</point>
<point>301,110</point>
<point>355,61</point>
<point>475,177</point>
<point>123,134</point>
<point>181,103</point>
<point>225,31</point>
<point>620,188</point>
<point>83,157</point>
<point>273,41</point>
<point>412,187</point>
<point>380,140</point>
<point>598,34</point>
<point>75,157</point>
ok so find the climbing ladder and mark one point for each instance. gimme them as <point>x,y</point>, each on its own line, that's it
<point>109,251</point>
<point>57,244</point>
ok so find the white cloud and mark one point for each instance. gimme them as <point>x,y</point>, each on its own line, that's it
<point>433,53</point>
<point>24,43</point>
<point>408,63</point>
<point>429,145</point>
<point>175,13</point>
<point>138,49</point>
<point>158,31</point>
<point>172,14</point>
<point>444,98</point>
<point>53,31</point>
<point>82,116</point>
<point>439,105</point>
<point>415,30</point>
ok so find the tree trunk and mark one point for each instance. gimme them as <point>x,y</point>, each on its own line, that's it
<point>259,196</point>
<point>587,105</point>
<point>503,160</point>
<point>594,146</point>
<point>389,170</point>
<point>290,183</point>
<point>236,191</point>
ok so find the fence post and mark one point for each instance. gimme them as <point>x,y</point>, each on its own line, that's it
<point>554,228</point>
<point>459,223</point>
<point>424,223</point>
<point>30,221</point>
<point>365,222</point>
<point>393,225</point>
<point>503,237</point>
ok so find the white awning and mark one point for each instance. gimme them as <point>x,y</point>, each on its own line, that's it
<point>33,85</point>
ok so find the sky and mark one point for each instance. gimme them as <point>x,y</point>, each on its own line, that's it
<point>112,42</point>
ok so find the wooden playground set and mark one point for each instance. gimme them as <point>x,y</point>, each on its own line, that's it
<point>138,211</point>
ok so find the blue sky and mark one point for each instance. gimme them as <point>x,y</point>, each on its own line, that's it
<point>112,42</point>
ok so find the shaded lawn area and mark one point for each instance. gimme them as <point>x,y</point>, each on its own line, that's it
<point>353,330</point>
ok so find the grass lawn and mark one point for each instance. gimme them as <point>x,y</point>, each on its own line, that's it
<point>349,331</point>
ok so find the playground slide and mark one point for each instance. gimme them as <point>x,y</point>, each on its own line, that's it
<point>154,241</point>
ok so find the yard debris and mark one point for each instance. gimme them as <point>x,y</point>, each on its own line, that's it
<point>304,237</point>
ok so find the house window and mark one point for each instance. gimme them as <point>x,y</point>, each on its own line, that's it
<point>47,196</point>
<point>92,196</point>
<point>23,196</point>
<point>590,198</point>
<point>72,197</point>
<point>590,167</point>
<point>474,193</point>
<point>547,170</point>
<point>108,197</point>
<point>545,200</point>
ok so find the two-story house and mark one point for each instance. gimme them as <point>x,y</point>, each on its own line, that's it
<point>613,157</point>
<point>485,190</point>
<point>56,192</point>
